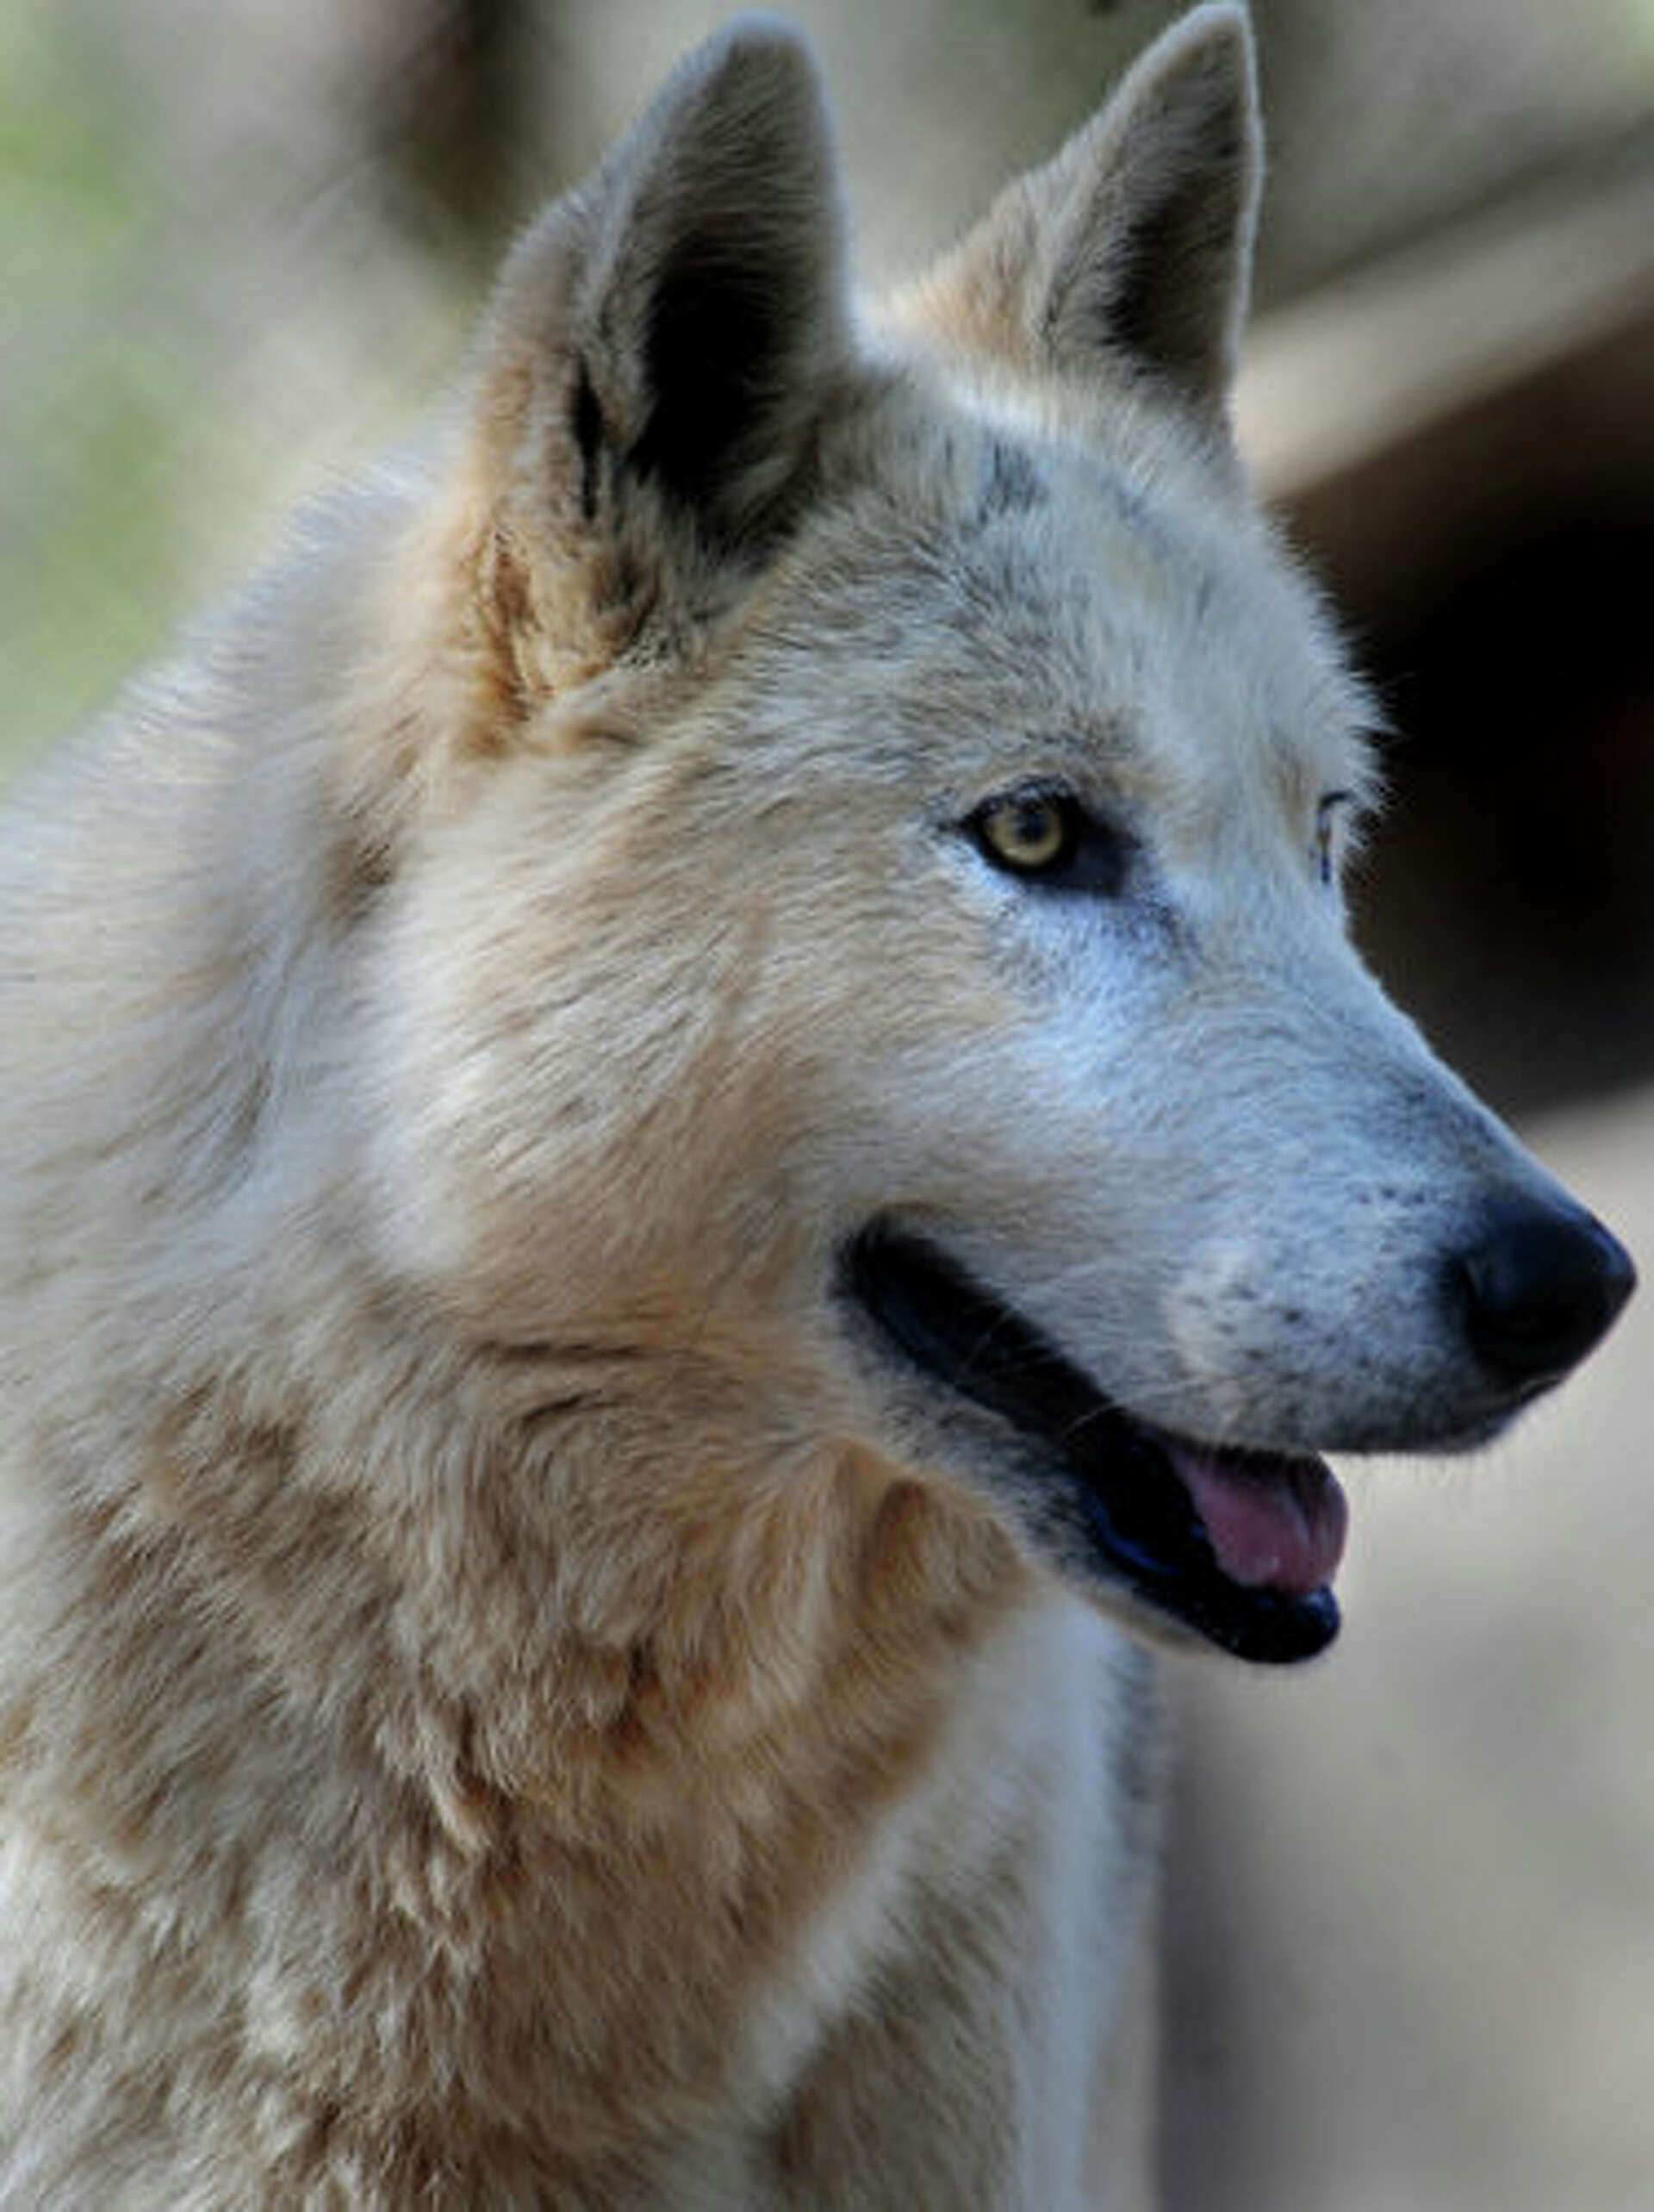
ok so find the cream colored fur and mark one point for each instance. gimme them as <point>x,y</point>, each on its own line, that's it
<point>504,1699</point>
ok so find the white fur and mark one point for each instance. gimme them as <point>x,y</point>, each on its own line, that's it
<point>506,1697</point>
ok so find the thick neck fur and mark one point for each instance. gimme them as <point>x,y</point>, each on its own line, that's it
<point>494,1819</point>
<point>437,1650</point>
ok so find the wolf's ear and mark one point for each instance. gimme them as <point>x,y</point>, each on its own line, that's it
<point>672,329</point>
<point>1132,249</point>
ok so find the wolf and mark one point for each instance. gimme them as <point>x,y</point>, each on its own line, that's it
<point>690,1143</point>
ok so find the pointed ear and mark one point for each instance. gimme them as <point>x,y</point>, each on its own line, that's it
<point>674,329</point>
<point>1131,251</point>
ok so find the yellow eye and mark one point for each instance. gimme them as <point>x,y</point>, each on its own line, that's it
<point>1029,831</point>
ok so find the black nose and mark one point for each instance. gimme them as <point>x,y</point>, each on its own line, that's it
<point>1540,1286</point>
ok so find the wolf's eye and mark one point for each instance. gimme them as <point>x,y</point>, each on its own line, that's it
<point>1028,831</point>
<point>1040,832</point>
<point>1333,804</point>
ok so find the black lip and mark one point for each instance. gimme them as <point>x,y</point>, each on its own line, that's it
<point>1111,1484</point>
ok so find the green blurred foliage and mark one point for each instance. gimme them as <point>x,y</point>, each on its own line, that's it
<point>70,172</point>
<point>94,448</point>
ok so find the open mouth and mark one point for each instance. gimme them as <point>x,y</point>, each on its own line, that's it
<point>1238,1546</point>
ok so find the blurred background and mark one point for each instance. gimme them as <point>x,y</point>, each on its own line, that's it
<point>1411,1910</point>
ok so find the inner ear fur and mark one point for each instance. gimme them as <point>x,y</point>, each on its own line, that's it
<point>663,343</point>
<point>1129,254</point>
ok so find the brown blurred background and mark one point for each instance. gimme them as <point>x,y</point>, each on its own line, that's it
<point>1411,1918</point>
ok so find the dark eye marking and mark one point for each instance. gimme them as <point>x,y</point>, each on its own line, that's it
<point>1040,833</point>
<point>1327,813</point>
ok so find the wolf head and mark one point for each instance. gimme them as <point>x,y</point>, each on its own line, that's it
<point>856,867</point>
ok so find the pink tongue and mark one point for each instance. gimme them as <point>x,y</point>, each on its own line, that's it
<point>1276,1524</point>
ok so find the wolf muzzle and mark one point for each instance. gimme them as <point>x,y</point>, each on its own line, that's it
<point>1239,1545</point>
